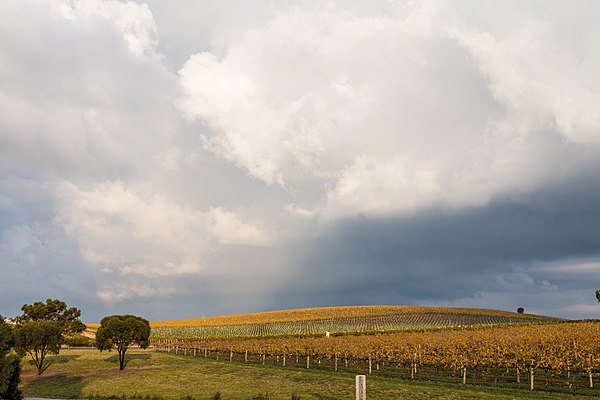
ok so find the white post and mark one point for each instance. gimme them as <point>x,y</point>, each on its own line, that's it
<point>531,372</point>
<point>361,387</point>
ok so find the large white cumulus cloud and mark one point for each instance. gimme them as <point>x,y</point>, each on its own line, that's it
<point>422,104</point>
<point>192,153</point>
<point>87,119</point>
<point>146,234</point>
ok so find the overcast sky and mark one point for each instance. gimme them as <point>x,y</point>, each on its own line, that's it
<point>184,158</point>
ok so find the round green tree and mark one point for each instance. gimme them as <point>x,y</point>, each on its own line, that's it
<point>42,328</point>
<point>120,332</point>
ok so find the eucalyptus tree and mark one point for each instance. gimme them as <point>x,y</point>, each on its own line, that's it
<point>120,332</point>
<point>42,328</point>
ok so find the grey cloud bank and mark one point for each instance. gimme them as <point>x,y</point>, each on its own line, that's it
<point>207,159</point>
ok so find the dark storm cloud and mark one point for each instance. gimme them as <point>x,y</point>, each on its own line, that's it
<point>443,257</point>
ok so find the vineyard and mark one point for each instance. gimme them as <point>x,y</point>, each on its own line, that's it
<point>335,320</point>
<point>561,356</point>
<point>329,313</point>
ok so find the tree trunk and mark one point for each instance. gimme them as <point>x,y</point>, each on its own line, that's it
<point>122,358</point>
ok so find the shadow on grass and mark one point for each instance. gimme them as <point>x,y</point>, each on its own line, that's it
<point>128,357</point>
<point>57,386</point>
<point>58,359</point>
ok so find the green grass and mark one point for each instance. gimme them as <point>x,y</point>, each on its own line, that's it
<point>89,373</point>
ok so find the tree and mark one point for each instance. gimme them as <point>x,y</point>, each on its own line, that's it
<point>121,331</point>
<point>54,311</point>
<point>10,364</point>
<point>520,310</point>
<point>598,295</point>
<point>42,327</point>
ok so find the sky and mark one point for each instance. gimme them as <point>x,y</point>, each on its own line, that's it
<point>193,158</point>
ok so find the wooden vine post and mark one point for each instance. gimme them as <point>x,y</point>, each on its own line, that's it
<point>531,375</point>
<point>590,372</point>
<point>361,387</point>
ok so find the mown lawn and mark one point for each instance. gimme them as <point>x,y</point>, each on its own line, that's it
<point>89,373</point>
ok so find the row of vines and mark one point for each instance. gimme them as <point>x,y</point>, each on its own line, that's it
<point>361,324</point>
<point>557,354</point>
<point>355,312</point>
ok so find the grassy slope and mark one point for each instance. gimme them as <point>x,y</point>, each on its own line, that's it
<point>85,373</point>
<point>307,314</point>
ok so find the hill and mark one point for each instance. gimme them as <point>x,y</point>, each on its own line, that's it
<point>336,320</point>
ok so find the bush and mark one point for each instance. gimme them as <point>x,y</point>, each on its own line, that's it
<point>10,370</point>
<point>217,396</point>
<point>296,397</point>
<point>79,341</point>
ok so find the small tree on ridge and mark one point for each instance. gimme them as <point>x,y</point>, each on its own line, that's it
<point>121,331</point>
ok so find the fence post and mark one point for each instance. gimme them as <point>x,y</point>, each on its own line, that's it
<point>361,387</point>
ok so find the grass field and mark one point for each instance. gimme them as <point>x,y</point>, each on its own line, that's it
<point>89,373</point>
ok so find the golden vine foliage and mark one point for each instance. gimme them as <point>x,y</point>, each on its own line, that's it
<point>555,346</point>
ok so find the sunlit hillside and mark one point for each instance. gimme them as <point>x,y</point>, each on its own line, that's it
<point>335,320</point>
